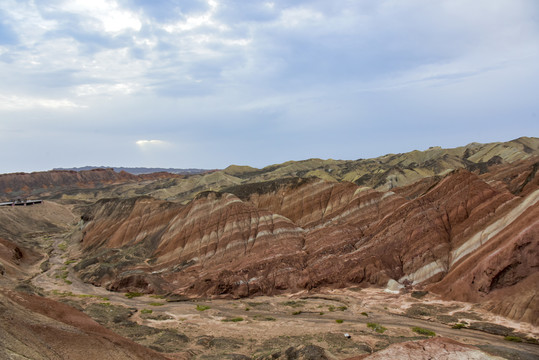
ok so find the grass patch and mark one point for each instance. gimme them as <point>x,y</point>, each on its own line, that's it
<point>131,295</point>
<point>364,314</point>
<point>422,331</point>
<point>236,319</point>
<point>203,307</point>
<point>69,262</point>
<point>339,321</point>
<point>458,326</point>
<point>294,304</point>
<point>146,311</point>
<point>156,304</point>
<point>513,338</point>
<point>376,327</point>
<point>68,282</point>
<point>62,246</point>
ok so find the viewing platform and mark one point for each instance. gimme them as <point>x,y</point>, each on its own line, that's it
<point>20,202</point>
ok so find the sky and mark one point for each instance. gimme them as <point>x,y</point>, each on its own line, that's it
<point>209,83</point>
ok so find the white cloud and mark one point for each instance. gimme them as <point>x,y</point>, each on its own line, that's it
<point>148,144</point>
<point>18,103</point>
<point>108,14</point>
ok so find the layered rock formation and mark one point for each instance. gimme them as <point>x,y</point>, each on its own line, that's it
<point>49,182</point>
<point>464,238</point>
<point>383,173</point>
<point>33,327</point>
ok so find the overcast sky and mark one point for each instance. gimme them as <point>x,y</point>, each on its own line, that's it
<point>209,83</point>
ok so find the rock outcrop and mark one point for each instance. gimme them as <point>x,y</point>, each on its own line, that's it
<point>436,348</point>
<point>50,182</point>
<point>460,236</point>
<point>33,327</point>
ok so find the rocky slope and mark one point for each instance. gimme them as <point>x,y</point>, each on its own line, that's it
<point>466,236</point>
<point>47,183</point>
<point>33,327</point>
<point>383,173</point>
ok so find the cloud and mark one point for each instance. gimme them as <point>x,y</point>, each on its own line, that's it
<point>150,144</point>
<point>19,103</point>
<point>221,72</point>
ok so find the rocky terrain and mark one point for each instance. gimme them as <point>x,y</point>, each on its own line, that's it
<point>397,241</point>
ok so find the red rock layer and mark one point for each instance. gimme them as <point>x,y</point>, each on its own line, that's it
<point>475,238</point>
<point>33,327</point>
<point>24,184</point>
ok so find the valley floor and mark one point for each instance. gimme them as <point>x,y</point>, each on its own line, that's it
<point>269,327</point>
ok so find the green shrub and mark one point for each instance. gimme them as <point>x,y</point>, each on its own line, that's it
<point>203,307</point>
<point>294,304</point>
<point>68,262</point>
<point>377,327</point>
<point>458,326</point>
<point>342,308</point>
<point>156,304</point>
<point>236,319</point>
<point>296,312</point>
<point>247,309</point>
<point>321,313</point>
<point>131,295</point>
<point>422,331</point>
<point>146,311</point>
<point>364,314</point>
<point>339,321</point>
<point>513,338</point>
<point>331,308</point>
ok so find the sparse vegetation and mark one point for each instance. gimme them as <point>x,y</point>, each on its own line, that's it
<point>423,331</point>
<point>69,262</point>
<point>513,338</point>
<point>62,246</point>
<point>331,308</point>
<point>296,312</point>
<point>236,319</point>
<point>339,321</point>
<point>131,295</point>
<point>154,296</point>
<point>376,327</point>
<point>458,326</point>
<point>156,304</point>
<point>203,307</point>
<point>146,311</point>
<point>294,304</point>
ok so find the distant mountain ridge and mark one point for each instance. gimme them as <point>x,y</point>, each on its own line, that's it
<point>138,170</point>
